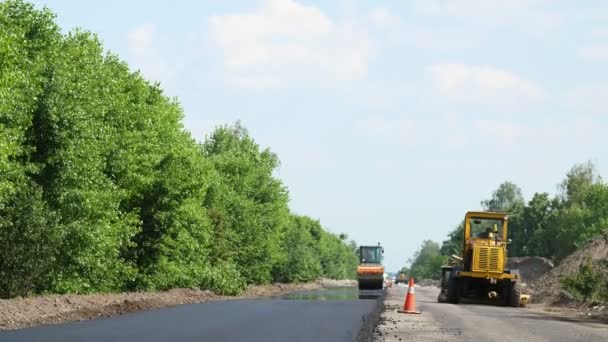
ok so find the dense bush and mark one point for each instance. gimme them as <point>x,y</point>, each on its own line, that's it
<point>102,189</point>
<point>590,283</point>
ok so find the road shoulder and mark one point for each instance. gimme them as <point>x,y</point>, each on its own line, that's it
<point>20,313</point>
<point>395,326</point>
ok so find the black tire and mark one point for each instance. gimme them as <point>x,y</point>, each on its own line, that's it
<point>442,298</point>
<point>452,294</point>
<point>515,294</point>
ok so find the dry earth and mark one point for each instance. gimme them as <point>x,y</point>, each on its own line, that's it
<point>52,309</point>
<point>547,289</point>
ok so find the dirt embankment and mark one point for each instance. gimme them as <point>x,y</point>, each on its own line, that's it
<point>547,289</point>
<point>52,309</point>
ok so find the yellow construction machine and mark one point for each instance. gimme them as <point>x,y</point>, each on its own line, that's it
<point>370,273</point>
<point>401,278</point>
<point>480,272</point>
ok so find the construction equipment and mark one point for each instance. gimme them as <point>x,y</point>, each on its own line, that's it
<point>370,273</point>
<point>401,278</point>
<point>481,272</point>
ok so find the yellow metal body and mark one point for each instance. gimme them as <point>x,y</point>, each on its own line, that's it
<point>486,275</point>
<point>489,255</point>
<point>481,271</point>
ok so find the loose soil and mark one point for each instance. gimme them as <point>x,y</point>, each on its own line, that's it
<point>547,289</point>
<point>52,309</point>
<point>530,268</point>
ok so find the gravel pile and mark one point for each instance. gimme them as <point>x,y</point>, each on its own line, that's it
<point>428,282</point>
<point>530,268</point>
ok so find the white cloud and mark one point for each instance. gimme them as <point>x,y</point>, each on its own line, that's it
<point>590,99</point>
<point>600,32</point>
<point>477,83</point>
<point>284,43</point>
<point>597,52</point>
<point>383,18</point>
<point>539,24</point>
<point>500,132</point>
<point>398,131</point>
<point>528,16</point>
<point>145,54</point>
<point>472,8</point>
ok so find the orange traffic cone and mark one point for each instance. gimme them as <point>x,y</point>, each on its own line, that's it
<point>410,299</point>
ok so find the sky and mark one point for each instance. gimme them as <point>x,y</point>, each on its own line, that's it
<point>391,118</point>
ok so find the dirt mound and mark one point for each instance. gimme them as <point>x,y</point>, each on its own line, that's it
<point>530,268</point>
<point>547,289</point>
<point>22,312</point>
<point>428,282</point>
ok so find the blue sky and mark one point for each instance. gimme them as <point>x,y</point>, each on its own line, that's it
<point>391,119</point>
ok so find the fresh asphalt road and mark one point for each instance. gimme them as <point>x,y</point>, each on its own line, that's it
<point>475,322</point>
<point>299,318</point>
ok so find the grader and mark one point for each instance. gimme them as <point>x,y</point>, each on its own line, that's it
<point>480,272</point>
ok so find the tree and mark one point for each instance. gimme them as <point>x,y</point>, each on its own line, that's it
<point>302,260</point>
<point>505,198</point>
<point>252,202</point>
<point>427,261</point>
<point>508,198</point>
<point>102,189</point>
<point>454,243</point>
<point>580,221</point>
<point>540,228</point>
<point>580,177</point>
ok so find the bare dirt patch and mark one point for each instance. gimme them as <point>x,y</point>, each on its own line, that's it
<point>52,309</point>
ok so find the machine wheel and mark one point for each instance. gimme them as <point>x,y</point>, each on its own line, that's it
<point>514,290</point>
<point>443,297</point>
<point>452,294</point>
<point>515,294</point>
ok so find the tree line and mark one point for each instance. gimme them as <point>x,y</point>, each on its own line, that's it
<point>102,189</point>
<point>547,226</point>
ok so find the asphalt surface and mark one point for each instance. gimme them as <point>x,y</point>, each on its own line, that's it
<point>330,316</point>
<point>474,322</point>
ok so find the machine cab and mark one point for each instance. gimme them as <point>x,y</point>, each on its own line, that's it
<point>485,239</point>
<point>371,254</point>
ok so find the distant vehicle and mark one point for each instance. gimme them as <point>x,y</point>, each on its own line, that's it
<point>401,278</point>
<point>370,273</point>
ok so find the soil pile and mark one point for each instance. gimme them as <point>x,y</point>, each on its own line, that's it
<point>547,289</point>
<point>530,268</point>
<point>428,282</point>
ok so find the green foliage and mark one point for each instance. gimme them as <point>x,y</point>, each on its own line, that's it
<point>302,262</point>
<point>545,226</point>
<point>250,205</point>
<point>507,197</point>
<point>453,244</point>
<point>427,261</point>
<point>590,283</point>
<point>101,188</point>
<point>309,252</point>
